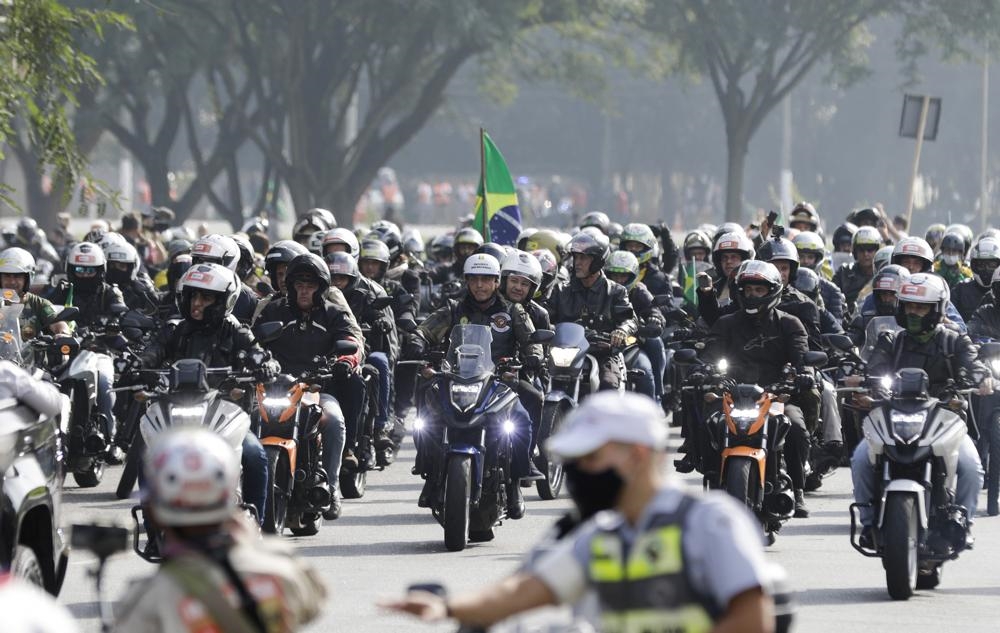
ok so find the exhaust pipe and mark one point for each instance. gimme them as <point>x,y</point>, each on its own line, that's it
<point>780,504</point>
<point>319,496</point>
<point>94,443</point>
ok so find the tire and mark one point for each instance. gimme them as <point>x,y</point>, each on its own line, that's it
<point>552,419</point>
<point>739,480</point>
<point>130,471</point>
<point>92,476</point>
<point>457,486</point>
<point>992,435</point>
<point>931,580</point>
<point>899,533</point>
<point>276,504</point>
<point>353,483</point>
<point>25,565</point>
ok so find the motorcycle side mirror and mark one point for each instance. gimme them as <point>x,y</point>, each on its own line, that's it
<point>102,540</point>
<point>841,342</point>
<point>650,331</point>
<point>264,288</point>
<point>663,300</point>
<point>343,348</point>
<point>542,336</point>
<point>686,356</point>
<point>70,313</point>
<point>407,324</point>
<point>989,350</point>
<point>381,303</point>
<point>66,345</point>
<point>268,331</point>
<point>138,320</point>
<point>814,359</point>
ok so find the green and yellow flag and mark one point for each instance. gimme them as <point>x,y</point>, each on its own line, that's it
<point>688,272</point>
<point>498,217</point>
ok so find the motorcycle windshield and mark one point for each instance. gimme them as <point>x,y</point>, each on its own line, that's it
<point>568,334</point>
<point>874,329</point>
<point>10,332</point>
<point>470,352</point>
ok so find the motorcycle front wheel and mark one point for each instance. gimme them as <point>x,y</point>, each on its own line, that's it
<point>552,419</point>
<point>457,488</point>
<point>739,480</point>
<point>899,533</point>
<point>276,504</point>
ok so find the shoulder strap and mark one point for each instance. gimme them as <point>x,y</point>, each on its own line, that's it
<point>194,582</point>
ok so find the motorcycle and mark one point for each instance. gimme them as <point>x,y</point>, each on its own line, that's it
<point>914,441</point>
<point>746,438</point>
<point>464,438</point>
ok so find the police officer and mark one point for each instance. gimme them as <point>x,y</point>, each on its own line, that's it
<point>216,575</point>
<point>613,446</point>
<point>597,302</point>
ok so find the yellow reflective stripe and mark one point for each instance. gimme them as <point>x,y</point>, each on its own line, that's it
<point>606,558</point>
<point>656,553</point>
<point>690,619</point>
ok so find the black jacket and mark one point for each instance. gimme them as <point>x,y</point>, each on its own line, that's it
<point>757,349</point>
<point>794,303</point>
<point>509,323</point>
<point>851,281</point>
<point>967,296</point>
<point>381,324</point>
<point>947,355</point>
<point>94,307</point>
<point>603,307</point>
<point>215,346</point>
<point>645,310</point>
<point>310,334</point>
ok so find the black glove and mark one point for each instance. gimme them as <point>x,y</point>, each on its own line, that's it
<point>383,325</point>
<point>414,349</point>
<point>532,363</point>
<point>341,370</point>
<point>804,382</point>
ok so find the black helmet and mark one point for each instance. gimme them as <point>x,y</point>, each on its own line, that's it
<point>953,242</point>
<point>589,244</point>
<point>281,252</point>
<point>869,216</point>
<point>598,219</point>
<point>246,262</point>
<point>757,272</point>
<point>388,235</point>
<point>494,249</point>
<point>697,239</point>
<point>804,212</point>
<point>309,267</point>
<point>312,221</point>
<point>779,248</point>
<point>843,235</point>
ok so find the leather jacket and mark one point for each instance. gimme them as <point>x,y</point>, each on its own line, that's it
<point>604,306</point>
<point>509,323</point>
<point>311,333</point>
<point>851,281</point>
<point>382,336</point>
<point>948,354</point>
<point>218,346</point>
<point>757,348</point>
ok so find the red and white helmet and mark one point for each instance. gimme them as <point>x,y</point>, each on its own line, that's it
<point>192,475</point>
<point>216,249</point>
<point>913,246</point>
<point>15,261</point>
<point>211,278</point>
<point>84,257</point>
<point>123,253</point>
<point>342,236</point>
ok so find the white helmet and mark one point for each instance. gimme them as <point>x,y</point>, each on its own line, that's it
<point>983,259</point>
<point>18,261</point>
<point>926,288</point>
<point>216,249</point>
<point>314,243</point>
<point>342,236</point>
<point>883,257</point>
<point>211,278</point>
<point>192,475</point>
<point>111,238</point>
<point>123,253</point>
<point>522,264</point>
<point>482,264</point>
<point>914,247</point>
<point>84,257</point>
<point>623,263</point>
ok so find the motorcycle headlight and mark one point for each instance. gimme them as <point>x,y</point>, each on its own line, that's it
<point>187,416</point>
<point>563,356</point>
<point>277,403</point>
<point>907,426</point>
<point>743,418</point>
<point>465,395</point>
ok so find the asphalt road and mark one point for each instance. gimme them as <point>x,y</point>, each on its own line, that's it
<point>384,542</point>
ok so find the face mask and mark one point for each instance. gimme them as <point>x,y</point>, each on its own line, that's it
<point>914,324</point>
<point>950,260</point>
<point>592,492</point>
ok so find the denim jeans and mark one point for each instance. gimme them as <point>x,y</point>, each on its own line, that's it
<point>644,384</point>
<point>380,361</point>
<point>333,431</point>
<point>254,473</point>
<point>653,348</point>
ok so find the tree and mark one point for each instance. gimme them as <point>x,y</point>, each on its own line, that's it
<point>42,71</point>
<point>755,52</point>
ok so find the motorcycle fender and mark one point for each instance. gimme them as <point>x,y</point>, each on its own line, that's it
<point>759,455</point>
<point>289,446</point>
<point>26,485</point>
<point>594,377</point>
<point>477,467</point>
<point>905,487</point>
<point>558,396</point>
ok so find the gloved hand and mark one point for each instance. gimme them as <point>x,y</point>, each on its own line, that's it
<point>414,348</point>
<point>804,382</point>
<point>618,337</point>
<point>269,369</point>
<point>341,370</point>
<point>532,363</point>
<point>383,325</point>
<point>704,282</point>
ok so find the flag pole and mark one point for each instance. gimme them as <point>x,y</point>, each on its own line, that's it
<point>482,180</point>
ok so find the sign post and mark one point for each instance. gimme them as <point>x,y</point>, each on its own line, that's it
<point>919,120</point>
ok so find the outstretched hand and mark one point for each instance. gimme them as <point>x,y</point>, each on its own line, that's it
<point>423,604</point>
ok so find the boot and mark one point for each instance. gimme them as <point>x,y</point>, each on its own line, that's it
<point>336,507</point>
<point>684,465</point>
<point>533,473</point>
<point>382,440</point>
<point>801,511</point>
<point>515,502</point>
<point>349,461</point>
<point>426,493</point>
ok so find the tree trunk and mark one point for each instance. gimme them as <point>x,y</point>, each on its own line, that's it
<point>737,145</point>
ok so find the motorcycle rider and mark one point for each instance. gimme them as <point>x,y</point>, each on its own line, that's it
<point>984,258</point>
<point>843,236</point>
<point>124,271</point>
<point>382,342</point>
<point>808,283</point>
<point>223,250</point>
<point>730,250</point>
<point>16,269</point>
<point>511,327</point>
<point>313,327</point>
<point>934,235</point>
<point>550,275</point>
<point>697,247</point>
<point>758,342</point>
<point>803,217</point>
<point>597,302</point>
<point>466,242</point>
<point>812,255</point>
<point>881,302</point>
<point>851,278</point>
<point>623,269</point>
<point>613,447</point>
<point>915,255</point>
<point>944,354</point>
<point>210,333</point>
<point>216,575</point>
<point>950,264</point>
<point>310,222</point>
<point>638,239</point>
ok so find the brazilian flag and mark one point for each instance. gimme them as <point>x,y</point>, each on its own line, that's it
<point>688,272</point>
<point>497,217</point>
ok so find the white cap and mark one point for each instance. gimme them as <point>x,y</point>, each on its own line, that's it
<point>609,416</point>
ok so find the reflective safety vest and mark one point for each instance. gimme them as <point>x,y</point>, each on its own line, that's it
<point>643,588</point>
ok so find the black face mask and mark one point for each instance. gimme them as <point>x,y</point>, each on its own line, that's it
<point>592,492</point>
